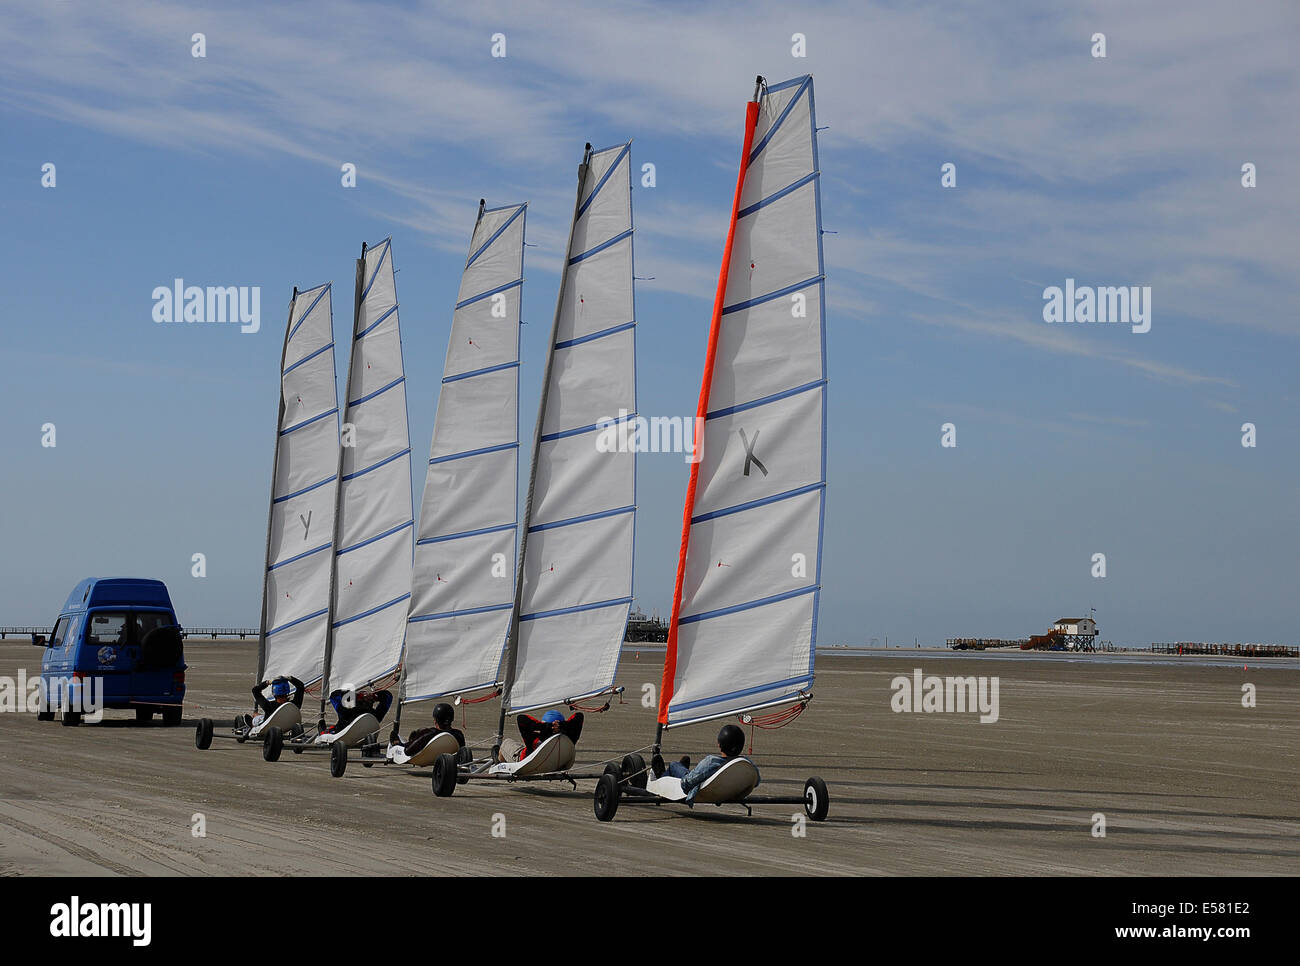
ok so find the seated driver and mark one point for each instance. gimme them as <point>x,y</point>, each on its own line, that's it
<point>363,702</point>
<point>731,742</point>
<point>283,689</point>
<point>443,717</point>
<point>534,732</point>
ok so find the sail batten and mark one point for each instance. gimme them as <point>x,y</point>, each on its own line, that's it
<point>575,579</point>
<point>375,522</point>
<point>304,482</point>
<point>466,546</point>
<point>744,618</point>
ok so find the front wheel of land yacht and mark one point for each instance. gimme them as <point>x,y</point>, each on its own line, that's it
<point>605,799</point>
<point>203,734</point>
<point>444,776</point>
<point>272,744</point>
<point>634,772</point>
<point>338,759</point>
<point>816,800</point>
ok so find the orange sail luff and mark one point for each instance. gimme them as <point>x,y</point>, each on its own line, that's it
<point>706,384</point>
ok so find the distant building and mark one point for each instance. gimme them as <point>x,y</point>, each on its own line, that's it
<point>1076,626</point>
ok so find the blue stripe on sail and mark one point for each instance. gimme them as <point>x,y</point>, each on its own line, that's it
<point>541,614</point>
<point>463,613</point>
<point>479,372</point>
<point>763,401</point>
<point>464,533</point>
<point>584,518</point>
<point>582,210</point>
<point>305,489</point>
<point>285,627</point>
<point>488,211</point>
<point>759,300</point>
<point>566,433</point>
<point>307,422</point>
<point>741,507</point>
<point>307,553</point>
<point>378,536</point>
<point>745,692</point>
<point>375,466</point>
<point>366,331</point>
<point>569,343</point>
<point>371,395</point>
<point>308,358</point>
<point>373,610</point>
<point>780,120</point>
<point>473,452</point>
<point>737,608</point>
<point>495,235</point>
<point>387,243</point>
<point>778,195</point>
<point>294,330</point>
<point>772,89</point>
<point>601,247</point>
<point>490,292</point>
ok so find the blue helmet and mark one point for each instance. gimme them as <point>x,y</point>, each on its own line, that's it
<point>280,688</point>
<point>552,716</point>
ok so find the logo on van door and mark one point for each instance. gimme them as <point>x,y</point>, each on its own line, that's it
<point>106,655</point>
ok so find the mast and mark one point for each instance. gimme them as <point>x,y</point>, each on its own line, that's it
<point>462,594</point>
<point>338,499</point>
<point>509,659</point>
<point>275,473</point>
<point>701,412</point>
<point>744,616</point>
<point>373,557</point>
<point>295,579</point>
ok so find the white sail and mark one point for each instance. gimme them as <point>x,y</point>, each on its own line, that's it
<point>576,581</point>
<point>463,588</point>
<point>304,485</point>
<point>372,579</point>
<point>747,619</point>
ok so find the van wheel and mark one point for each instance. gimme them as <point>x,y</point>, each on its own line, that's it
<point>70,719</point>
<point>143,715</point>
<point>203,734</point>
<point>444,776</point>
<point>272,744</point>
<point>338,759</point>
<point>44,715</point>
<point>816,800</point>
<point>605,800</point>
<point>171,717</point>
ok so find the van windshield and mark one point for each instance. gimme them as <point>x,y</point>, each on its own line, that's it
<point>107,628</point>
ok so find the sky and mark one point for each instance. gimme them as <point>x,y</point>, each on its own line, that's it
<point>1071,439</point>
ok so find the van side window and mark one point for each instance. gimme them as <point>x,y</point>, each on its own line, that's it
<point>107,628</point>
<point>70,629</point>
<point>56,635</point>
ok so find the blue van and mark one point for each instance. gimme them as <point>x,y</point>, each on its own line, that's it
<point>117,644</point>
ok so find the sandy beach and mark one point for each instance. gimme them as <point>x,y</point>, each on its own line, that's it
<point>1189,781</point>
